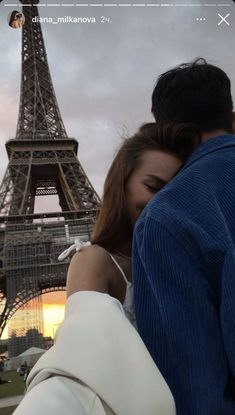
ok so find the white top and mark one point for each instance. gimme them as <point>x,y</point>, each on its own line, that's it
<point>128,304</point>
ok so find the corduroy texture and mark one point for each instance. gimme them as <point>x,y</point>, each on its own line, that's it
<point>184,280</point>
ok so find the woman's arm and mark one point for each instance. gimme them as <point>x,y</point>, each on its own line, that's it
<point>91,269</point>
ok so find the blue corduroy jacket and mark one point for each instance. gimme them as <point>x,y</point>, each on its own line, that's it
<point>184,280</point>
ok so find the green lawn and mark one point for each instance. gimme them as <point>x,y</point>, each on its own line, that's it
<point>16,387</point>
<point>7,411</point>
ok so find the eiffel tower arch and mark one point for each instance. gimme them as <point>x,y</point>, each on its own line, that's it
<point>42,162</point>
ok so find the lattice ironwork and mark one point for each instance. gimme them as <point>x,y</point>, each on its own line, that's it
<point>39,115</point>
<point>42,161</point>
<point>57,163</point>
<point>30,256</point>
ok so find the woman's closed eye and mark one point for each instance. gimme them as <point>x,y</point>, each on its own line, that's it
<point>153,188</point>
<point>154,183</point>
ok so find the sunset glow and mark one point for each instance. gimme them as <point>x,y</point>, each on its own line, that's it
<point>53,313</point>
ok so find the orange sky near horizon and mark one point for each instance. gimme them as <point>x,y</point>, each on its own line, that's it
<point>53,312</point>
<point>55,297</point>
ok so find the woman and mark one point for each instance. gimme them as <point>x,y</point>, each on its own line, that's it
<point>16,19</point>
<point>99,365</point>
<point>142,166</point>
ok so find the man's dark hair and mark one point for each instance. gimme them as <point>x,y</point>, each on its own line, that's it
<point>197,93</point>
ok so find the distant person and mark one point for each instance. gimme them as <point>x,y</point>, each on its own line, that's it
<point>99,365</point>
<point>23,368</point>
<point>184,248</point>
<point>16,19</point>
<point>26,373</point>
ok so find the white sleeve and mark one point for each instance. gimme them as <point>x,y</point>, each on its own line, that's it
<point>51,397</point>
<point>98,351</point>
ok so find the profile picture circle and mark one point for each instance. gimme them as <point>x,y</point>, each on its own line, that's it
<point>16,19</point>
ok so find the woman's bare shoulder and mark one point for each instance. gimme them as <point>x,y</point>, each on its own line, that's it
<point>93,254</point>
<point>90,270</point>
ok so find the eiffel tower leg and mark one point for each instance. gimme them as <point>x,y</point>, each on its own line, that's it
<point>20,178</point>
<point>6,191</point>
<point>3,318</point>
<point>76,182</point>
<point>14,187</point>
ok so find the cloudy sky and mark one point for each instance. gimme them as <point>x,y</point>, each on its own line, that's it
<point>104,73</point>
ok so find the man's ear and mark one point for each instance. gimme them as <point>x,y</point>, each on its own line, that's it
<point>233,115</point>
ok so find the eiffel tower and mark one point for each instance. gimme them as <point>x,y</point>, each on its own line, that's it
<point>42,161</point>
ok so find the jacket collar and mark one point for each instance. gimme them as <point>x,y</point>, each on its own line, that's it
<point>211,145</point>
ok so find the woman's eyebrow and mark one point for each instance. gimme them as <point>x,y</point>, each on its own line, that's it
<point>156,178</point>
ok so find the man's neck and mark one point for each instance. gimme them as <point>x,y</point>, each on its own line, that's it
<point>213,134</point>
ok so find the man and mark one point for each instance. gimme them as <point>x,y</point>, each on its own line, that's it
<point>184,248</point>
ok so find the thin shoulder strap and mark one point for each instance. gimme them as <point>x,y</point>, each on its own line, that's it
<point>120,268</point>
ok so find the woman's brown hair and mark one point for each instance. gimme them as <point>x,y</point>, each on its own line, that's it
<point>113,227</point>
